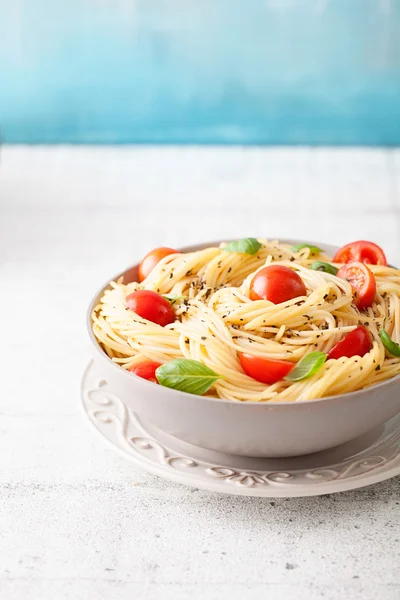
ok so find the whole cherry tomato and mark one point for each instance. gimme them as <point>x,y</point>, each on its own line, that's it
<point>356,343</point>
<point>151,259</point>
<point>276,284</point>
<point>265,370</point>
<point>151,306</point>
<point>146,370</point>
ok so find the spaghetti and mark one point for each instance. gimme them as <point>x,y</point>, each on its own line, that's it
<point>216,321</point>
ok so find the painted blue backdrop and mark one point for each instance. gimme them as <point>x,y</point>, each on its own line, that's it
<point>200,71</point>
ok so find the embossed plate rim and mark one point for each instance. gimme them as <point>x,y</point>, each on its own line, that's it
<point>226,484</point>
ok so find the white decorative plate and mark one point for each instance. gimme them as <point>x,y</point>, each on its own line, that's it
<point>364,461</point>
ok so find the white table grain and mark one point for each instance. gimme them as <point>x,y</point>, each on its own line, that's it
<point>77,520</point>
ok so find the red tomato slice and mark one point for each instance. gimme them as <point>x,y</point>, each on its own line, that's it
<point>362,281</point>
<point>151,306</point>
<point>356,343</point>
<point>151,259</point>
<point>265,370</point>
<point>362,251</point>
<point>276,284</point>
<point>146,370</point>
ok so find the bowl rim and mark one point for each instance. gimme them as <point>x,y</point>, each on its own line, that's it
<point>163,389</point>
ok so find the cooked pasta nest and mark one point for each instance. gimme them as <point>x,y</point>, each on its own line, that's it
<point>216,321</point>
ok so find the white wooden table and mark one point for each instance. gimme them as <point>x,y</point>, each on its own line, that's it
<point>77,520</point>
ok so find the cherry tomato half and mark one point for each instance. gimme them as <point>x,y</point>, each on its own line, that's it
<point>356,343</point>
<point>362,281</point>
<point>362,251</point>
<point>151,259</point>
<point>146,370</point>
<point>265,370</point>
<point>276,284</point>
<point>151,306</point>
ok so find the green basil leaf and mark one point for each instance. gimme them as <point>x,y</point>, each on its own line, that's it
<point>186,375</point>
<point>307,367</point>
<point>245,246</point>
<point>391,346</point>
<point>172,298</point>
<point>323,266</point>
<point>313,249</point>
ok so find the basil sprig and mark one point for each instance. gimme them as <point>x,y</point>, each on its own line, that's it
<point>186,375</point>
<point>318,265</point>
<point>313,249</point>
<point>245,246</point>
<point>391,346</point>
<point>307,367</point>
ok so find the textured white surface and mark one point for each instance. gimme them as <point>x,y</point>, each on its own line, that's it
<point>76,520</point>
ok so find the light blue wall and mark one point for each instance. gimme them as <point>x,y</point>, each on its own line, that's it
<point>200,71</point>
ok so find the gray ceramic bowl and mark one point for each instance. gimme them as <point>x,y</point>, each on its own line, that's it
<point>250,428</point>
